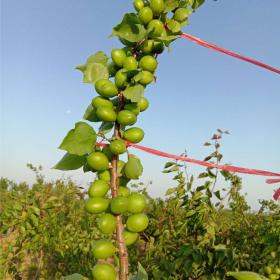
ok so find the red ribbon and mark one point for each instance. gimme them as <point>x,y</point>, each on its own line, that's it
<point>230,53</point>
<point>272,181</point>
<point>276,195</point>
<point>229,168</point>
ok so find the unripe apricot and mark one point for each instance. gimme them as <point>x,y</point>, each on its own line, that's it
<point>118,56</point>
<point>156,27</point>
<point>145,15</point>
<point>148,63</point>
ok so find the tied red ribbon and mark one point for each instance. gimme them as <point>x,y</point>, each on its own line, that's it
<point>228,52</point>
<point>229,168</point>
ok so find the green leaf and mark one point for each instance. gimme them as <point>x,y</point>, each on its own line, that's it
<point>220,247</point>
<point>82,67</point>
<point>211,174</point>
<point>137,77</point>
<point>203,175</point>
<point>170,191</point>
<point>79,140</point>
<point>190,213</point>
<point>70,162</point>
<point>90,114</point>
<point>99,57</point>
<point>130,29</point>
<point>75,276</point>
<point>141,275</point>
<point>167,39</point>
<point>226,174</point>
<point>105,127</point>
<point>134,93</point>
<point>168,164</point>
<point>207,144</point>
<point>197,3</point>
<point>217,194</point>
<point>94,72</point>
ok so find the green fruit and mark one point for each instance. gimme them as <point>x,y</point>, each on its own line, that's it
<point>137,222</point>
<point>118,56</point>
<point>148,47</point>
<point>133,169</point>
<point>99,101</point>
<point>96,205</point>
<point>123,181</point>
<point>268,270</point>
<point>133,107</point>
<point>273,254</point>
<point>106,114</point>
<point>98,161</point>
<point>158,47</point>
<point>117,147</point>
<point>121,78</point>
<point>123,191</point>
<point>107,223</point>
<point>138,4</point>
<point>130,237</point>
<point>104,271</point>
<point>104,175</point>
<point>173,25</point>
<point>145,15</point>
<point>157,6</point>
<point>112,68</point>
<point>277,270</point>
<point>107,151</point>
<point>106,88</point>
<point>156,27</point>
<point>181,14</point>
<point>119,205</point>
<point>103,249</point>
<point>273,276</point>
<point>143,104</point>
<point>134,134</point>
<point>245,275</point>
<point>120,166</point>
<point>136,203</point>
<point>126,117</point>
<point>98,188</point>
<point>130,63</point>
<point>147,78</point>
<point>148,63</point>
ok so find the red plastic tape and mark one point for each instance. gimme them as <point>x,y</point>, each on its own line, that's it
<point>228,52</point>
<point>229,168</point>
<point>276,195</point>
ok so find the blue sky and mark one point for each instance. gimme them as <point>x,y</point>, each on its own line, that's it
<point>197,91</point>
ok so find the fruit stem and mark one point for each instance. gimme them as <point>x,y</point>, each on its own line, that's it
<point>122,250</point>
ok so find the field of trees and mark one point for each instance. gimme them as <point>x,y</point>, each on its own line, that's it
<point>47,234</point>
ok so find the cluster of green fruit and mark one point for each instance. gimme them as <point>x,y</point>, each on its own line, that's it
<point>119,102</point>
<point>126,202</point>
<point>272,272</point>
<point>153,16</point>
